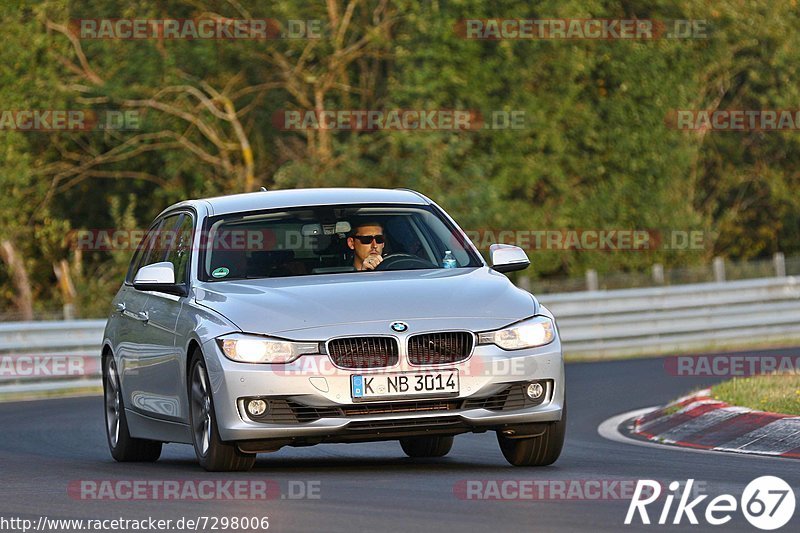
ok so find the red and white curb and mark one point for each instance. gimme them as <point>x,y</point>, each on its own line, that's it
<point>701,422</point>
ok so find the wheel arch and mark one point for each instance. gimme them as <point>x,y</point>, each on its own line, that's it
<point>191,348</point>
<point>105,353</point>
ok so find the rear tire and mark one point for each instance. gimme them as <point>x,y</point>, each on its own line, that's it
<point>212,453</point>
<point>123,447</point>
<point>536,451</point>
<point>427,446</point>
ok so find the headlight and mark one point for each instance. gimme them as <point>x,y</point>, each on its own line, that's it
<point>537,331</point>
<point>254,349</point>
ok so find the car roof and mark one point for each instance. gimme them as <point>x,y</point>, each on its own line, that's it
<point>237,203</point>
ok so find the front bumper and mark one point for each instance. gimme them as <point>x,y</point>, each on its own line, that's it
<point>313,384</point>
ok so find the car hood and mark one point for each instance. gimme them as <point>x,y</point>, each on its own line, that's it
<point>294,307</point>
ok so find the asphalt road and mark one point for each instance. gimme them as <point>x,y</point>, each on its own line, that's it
<point>51,445</point>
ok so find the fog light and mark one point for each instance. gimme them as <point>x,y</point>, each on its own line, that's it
<point>534,391</point>
<point>256,407</point>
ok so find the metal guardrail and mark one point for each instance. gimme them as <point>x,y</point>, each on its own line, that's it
<point>50,356</point>
<point>677,319</point>
<point>33,337</point>
<point>597,324</point>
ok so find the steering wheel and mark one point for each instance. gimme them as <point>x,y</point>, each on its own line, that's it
<point>403,261</point>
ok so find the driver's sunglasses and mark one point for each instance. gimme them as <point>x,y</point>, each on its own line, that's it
<point>367,239</point>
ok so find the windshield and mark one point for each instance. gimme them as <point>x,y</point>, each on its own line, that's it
<point>329,240</point>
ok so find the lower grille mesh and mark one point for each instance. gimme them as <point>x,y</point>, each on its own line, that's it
<point>289,412</point>
<point>401,408</point>
<point>400,425</point>
<point>513,397</point>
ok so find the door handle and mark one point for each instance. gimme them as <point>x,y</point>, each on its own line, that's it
<point>120,307</point>
<point>142,316</point>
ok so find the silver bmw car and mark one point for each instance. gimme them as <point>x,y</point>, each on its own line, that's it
<point>251,322</point>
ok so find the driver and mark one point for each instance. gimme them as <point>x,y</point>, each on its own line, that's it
<point>367,242</point>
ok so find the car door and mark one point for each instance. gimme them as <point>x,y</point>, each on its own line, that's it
<point>128,314</point>
<point>157,384</point>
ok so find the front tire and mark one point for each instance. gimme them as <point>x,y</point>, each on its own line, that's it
<point>536,451</point>
<point>212,453</point>
<point>427,446</point>
<point>123,447</point>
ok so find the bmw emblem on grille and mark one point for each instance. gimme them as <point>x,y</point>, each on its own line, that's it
<point>399,326</point>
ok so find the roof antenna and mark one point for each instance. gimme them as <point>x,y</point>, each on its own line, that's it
<point>263,189</point>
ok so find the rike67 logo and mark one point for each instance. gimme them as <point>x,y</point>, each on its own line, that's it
<point>767,503</point>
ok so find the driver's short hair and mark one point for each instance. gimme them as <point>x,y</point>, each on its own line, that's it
<point>361,223</point>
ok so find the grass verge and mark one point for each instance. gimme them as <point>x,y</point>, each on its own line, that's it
<point>43,395</point>
<point>776,393</point>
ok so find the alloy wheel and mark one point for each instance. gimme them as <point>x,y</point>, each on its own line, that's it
<point>201,409</point>
<point>112,393</point>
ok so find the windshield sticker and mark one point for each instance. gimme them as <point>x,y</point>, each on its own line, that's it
<point>220,272</point>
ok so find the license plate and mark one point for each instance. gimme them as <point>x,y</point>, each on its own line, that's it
<point>406,385</point>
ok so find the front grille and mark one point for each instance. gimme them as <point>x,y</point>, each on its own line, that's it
<point>363,352</point>
<point>439,348</point>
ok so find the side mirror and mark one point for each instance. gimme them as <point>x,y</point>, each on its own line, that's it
<point>158,277</point>
<point>508,258</point>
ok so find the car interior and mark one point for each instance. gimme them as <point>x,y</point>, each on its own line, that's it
<point>301,246</point>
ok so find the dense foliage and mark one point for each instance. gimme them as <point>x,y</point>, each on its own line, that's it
<point>597,149</point>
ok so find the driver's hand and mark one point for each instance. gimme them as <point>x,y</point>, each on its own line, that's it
<point>371,262</point>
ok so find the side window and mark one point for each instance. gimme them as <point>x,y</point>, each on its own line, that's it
<point>145,251</point>
<point>179,247</point>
